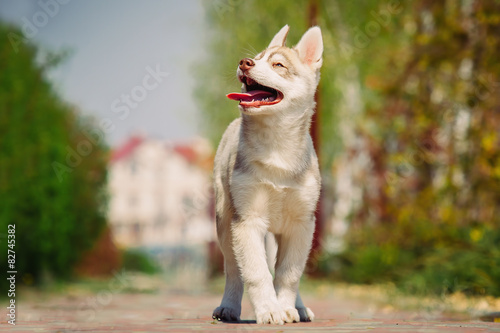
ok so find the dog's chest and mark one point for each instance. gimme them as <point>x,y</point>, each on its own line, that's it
<point>278,202</point>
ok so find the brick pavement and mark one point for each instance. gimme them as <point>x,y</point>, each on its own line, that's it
<point>161,309</point>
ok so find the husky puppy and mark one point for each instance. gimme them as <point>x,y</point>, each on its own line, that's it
<point>267,180</point>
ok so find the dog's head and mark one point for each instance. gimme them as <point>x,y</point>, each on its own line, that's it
<point>281,78</point>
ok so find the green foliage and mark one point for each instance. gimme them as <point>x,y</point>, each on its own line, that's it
<point>447,260</point>
<point>436,142</point>
<point>56,202</point>
<point>414,87</point>
<point>138,261</point>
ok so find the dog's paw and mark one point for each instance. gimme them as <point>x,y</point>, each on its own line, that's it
<point>292,315</point>
<point>271,314</point>
<point>305,314</point>
<point>226,314</point>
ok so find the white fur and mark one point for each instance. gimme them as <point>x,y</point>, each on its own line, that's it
<point>267,181</point>
<point>280,38</point>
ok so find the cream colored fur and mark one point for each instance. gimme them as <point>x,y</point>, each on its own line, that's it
<point>267,182</point>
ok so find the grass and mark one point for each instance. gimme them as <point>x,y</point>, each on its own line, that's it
<point>139,261</point>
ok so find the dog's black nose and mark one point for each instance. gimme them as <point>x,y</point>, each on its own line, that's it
<point>246,64</point>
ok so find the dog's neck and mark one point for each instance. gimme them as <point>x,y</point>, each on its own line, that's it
<point>280,141</point>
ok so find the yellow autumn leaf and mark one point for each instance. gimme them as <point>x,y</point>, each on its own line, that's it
<point>445,213</point>
<point>489,142</point>
<point>496,169</point>
<point>476,235</point>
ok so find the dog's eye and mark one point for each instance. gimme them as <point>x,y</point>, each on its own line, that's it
<point>278,64</point>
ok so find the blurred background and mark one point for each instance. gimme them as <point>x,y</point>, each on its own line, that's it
<point>110,114</point>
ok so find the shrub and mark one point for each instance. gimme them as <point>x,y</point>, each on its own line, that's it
<point>57,216</point>
<point>139,261</point>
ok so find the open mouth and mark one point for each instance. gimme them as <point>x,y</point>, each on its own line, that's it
<point>256,94</point>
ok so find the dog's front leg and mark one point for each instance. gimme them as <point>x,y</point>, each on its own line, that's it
<point>293,249</point>
<point>248,242</point>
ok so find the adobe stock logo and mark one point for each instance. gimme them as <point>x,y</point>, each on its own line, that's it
<point>31,26</point>
<point>150,82</point>
<point>95,135</point>
<point>223,7</point>
<point>363,36</point>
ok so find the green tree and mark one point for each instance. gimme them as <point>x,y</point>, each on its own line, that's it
<point>430,216</point>
<point>52,175</point>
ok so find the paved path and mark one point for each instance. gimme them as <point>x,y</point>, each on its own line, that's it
<point>117,307</point>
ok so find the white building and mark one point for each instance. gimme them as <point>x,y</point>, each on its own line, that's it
<point>160,194</point>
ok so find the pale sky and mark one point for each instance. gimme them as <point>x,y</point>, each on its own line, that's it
<point>115,45</point>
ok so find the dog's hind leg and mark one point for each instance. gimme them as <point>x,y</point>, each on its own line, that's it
<point>230,307</point>
<point>305,313</point>
<point>271,251</point>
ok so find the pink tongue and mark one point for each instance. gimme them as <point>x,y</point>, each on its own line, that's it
<point>249,96</point>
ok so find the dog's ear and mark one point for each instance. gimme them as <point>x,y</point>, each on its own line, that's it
<point>310,48</point>
<point>280,38</point>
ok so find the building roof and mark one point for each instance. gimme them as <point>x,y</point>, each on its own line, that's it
<point>126,149</point>
<point>187,152</point>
